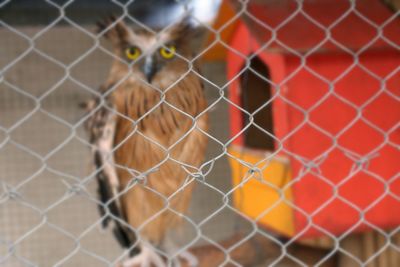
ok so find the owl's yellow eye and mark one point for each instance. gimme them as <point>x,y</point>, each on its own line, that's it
<point>132,53</point>
<point>168,52</point>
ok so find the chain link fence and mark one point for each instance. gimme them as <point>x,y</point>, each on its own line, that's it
<point>302,162</point>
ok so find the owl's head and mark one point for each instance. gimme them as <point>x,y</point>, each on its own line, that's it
<point>152,56</point>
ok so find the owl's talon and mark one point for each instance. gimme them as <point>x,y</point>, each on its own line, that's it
<point>146,258</point>
<point>190,258</point>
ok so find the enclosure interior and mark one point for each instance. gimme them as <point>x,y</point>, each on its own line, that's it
<point>46,150</point>
<point>50,65</point>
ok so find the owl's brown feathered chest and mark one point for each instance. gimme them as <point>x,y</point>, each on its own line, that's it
<point>156,114</point>
<point>153,125</point>
<point>156,135</point>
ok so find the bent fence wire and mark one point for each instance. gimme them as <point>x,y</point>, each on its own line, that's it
<point>48,198</point>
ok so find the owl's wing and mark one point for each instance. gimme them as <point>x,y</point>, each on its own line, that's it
<point>101,129</point>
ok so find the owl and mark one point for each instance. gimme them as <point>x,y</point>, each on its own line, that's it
<point>148,131</point>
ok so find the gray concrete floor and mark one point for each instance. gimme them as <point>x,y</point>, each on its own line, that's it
<point>41,152</point>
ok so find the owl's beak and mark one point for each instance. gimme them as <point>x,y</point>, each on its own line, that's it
<point>149,69</point>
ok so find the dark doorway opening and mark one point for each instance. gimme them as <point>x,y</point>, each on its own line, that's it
<point>255,93</point>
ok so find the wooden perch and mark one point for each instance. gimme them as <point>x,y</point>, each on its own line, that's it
<point>258,251</point>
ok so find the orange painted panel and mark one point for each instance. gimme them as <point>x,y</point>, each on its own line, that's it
<point>226,25</point>
<point>263,196</point>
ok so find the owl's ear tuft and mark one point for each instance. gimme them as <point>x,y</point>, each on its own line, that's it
<point>184,28</point>
<point>113,28</point>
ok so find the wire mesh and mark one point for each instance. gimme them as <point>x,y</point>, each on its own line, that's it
<point>48,193</point>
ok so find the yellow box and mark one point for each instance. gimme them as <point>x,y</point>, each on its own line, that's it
<point>260,180</point>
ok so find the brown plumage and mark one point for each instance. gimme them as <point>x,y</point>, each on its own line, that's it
<point>163,132</point>
<point>159,123</point>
